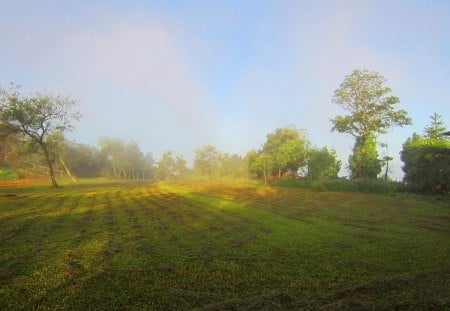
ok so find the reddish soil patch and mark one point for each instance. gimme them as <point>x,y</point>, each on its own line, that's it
<point>25,182</point>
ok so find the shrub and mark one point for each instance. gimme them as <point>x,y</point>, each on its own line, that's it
<point>427,163</point>
<point>8,174</point>
<point>346,185</point>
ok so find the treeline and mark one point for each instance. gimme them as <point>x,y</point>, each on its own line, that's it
<point>33,127</point>
<point>287,152</point>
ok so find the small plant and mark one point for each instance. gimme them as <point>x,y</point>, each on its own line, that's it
<point>8,174</point>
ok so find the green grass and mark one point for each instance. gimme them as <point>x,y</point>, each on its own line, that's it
<point>161,246</point>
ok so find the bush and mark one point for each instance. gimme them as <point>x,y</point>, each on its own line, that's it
<point>427,163</point>
<point>346,185</point>
<point>8,174</point>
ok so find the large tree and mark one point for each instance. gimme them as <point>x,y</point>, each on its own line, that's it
<point>166,166</point>
<point>323,164</point>
<point>287,147</point>
<point>37,116</point>
<point>371,112</point>
<point>207,161</point>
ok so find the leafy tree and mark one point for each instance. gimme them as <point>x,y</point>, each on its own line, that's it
<point>125,159</point>
<point>371,112</point>
<point>323,164</point>
<point>427,157</point>
<point>287,149</point>
<point>180,168</point>
<point>115,153</point>
<point>207,161</point>
<point>436,128</point>
<point>426,163</point>
<point>37,116</point>
<point>259,163</point>
<point>149,169</point>
<point>85,160</point>
<point>233,166</point>
<point>166,166</point>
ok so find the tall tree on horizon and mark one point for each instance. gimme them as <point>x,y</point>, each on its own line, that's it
<point>371,113</point>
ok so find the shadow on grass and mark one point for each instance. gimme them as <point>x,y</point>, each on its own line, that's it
<point>151,246</point>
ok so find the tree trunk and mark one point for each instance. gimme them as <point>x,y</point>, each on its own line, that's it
<point>67,170</point>
<point>50,165</point>
<point>387,170</point>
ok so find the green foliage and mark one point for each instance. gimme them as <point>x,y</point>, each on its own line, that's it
<point>166,166</point>
<point>180,167</point>
<point>436,128</point>
<point>345,185</point>
<point>233,166</point>
<point>212,163</point>
<point>85,160</point>
<point>8,174</point>
<point>126,161</point>
<point>259,164</point>
<point>38,117</point>
<point>323,164</point>
<point>207,161</point>
<point>426,163</point>
<point>371,112</point>
<point>287,149</point>
<point>284,152</point>
<point>364,162</point>
<point>371,108</point>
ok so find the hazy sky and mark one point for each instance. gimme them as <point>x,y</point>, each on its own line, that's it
<point>175,75</point>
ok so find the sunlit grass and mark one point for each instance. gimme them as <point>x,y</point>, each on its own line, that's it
<point>175,245</point>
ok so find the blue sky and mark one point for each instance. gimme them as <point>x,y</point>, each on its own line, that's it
<point>175,75</point>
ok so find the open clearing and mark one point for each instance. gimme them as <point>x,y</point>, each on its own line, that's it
<point>220,246</point>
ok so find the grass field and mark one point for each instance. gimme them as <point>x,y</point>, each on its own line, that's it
<point>220,246</point>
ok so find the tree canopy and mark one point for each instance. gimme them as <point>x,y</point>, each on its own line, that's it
<point>369,104</point>
<point>37,116</point>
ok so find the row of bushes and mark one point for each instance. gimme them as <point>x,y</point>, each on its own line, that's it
<point>346,185</point>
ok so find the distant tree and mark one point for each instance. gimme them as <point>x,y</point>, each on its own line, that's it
<point>386,159</point>
<point>207,161</point>
<point>85,160</point>
<point>180,167</point>
<point>37,117</point>
<point>323,164</point>
<point>114,151</point>
<point>371,113</point>
<point>166,166</point>
<point>233,166</point>
<point>125,159</point>
<point>436,128</point>
<point>287,149</point>
<point>149,169</point>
